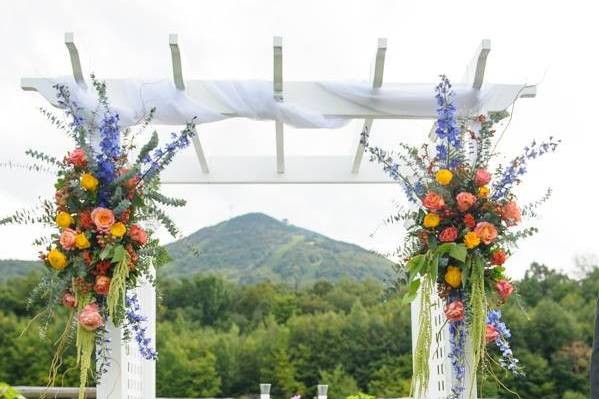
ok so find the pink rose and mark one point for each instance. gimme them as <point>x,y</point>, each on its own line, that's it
<point>68,300</point>
<point>454,311</point>
<point>102,285</point>
<point>138,234</point>
<point>504,289</point>
<point>465,201</point>
<point>510,213</point>
<point>486,231</point>
<point>90,317</point>
<point>449,234</point>
<point>77,158</point>
<point>433,201</point>
<point>491,333</point>
<point>67,239</point>
<point>103,218</point>
<point>482,177</point>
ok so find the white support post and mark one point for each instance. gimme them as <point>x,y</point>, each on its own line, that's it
<point>322,391</point>
<point>278,96</point>
<point>377,81</point>
<point>69,40</point>
<point>264,391</point>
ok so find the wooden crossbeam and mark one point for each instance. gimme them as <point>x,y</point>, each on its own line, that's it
<point>69,40</point>
<point>377,81</point>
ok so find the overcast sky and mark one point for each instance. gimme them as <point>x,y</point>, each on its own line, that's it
<point>532,42</point>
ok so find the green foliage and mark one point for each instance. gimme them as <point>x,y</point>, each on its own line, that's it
<point>218,338</point>
<point>340,383</point>
<point>8,392</point>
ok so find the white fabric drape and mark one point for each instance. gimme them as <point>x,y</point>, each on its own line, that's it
<point>132,99</point>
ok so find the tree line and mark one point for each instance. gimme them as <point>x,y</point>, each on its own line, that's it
<point>216,338</point>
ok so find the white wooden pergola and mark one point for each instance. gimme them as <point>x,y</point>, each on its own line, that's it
<point>133,377</point>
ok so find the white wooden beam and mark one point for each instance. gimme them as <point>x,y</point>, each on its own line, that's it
<point>475,71</point>
<point>377,81</point>
<point>197,145</point>
<point>259,170</point>
<point>176,59</point>
<point>173,41</point>
<point>278,96</point>
<point>75,61</point>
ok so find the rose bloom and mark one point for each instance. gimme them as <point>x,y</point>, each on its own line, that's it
<point>486,231</point>
<point>102,285</point>
<point>469,221</point>
<point>85,220</point>
<point>68,300</point>
<point>118,230</point>
<point>510,213</point>
<point>138,234</point>
<point>504,289</point>
<point>482,177</point>
<point>67,239</point>
<point>465,201</point>
<point>77,158</point>
<point>454,311</point>
<point>448,234</point>
<point>89,182</point>
<point>498,257</point>
<point>491,334</point>
<point>90,317</point>
<point>81,241</point>
<point>433,201</point>
<point>103,218</point>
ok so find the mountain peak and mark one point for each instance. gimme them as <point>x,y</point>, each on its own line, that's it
<point>255,246</point>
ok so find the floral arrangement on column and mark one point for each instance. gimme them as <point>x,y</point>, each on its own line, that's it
<point>101,246</point>
<point>465,222</point>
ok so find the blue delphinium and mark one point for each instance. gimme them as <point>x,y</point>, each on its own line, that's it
<point>160,157</point>
<point>518,166</point>
<point>447,130</point>
<point>507,361</point>
<point>135,321</point>
<point>110,136</point>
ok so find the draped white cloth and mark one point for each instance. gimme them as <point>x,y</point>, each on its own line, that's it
<point>132,99</point>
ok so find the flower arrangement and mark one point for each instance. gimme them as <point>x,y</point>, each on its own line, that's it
<point>102,246</point>
<point>461,233</point>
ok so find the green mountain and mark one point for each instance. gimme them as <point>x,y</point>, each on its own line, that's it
<point>256,247</point>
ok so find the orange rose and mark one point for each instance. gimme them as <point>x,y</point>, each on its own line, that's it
<point>102,285</point>
<point>510,213</point>
<point>465,201</point>
<point>486,231</point>
<point>138,234</point>
<point>103,219</point>
<point>433,201</point>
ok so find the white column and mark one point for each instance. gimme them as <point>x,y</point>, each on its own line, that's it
<point>440,370</point>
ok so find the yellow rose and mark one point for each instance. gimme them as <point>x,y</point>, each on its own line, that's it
<point>483,192</point>
<point>453,276</point>
<point>64,220</point>
<point>471,240</point>
<point>431,220</point>
<point>57,259</point>
<point>89,182</point>
<point>81,241</point>
<point>118,230</point>
<point>443,176</point>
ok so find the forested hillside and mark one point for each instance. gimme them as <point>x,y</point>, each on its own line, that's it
<point>219,338</point>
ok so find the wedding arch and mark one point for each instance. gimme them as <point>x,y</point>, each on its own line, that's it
<point>302,104</point>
